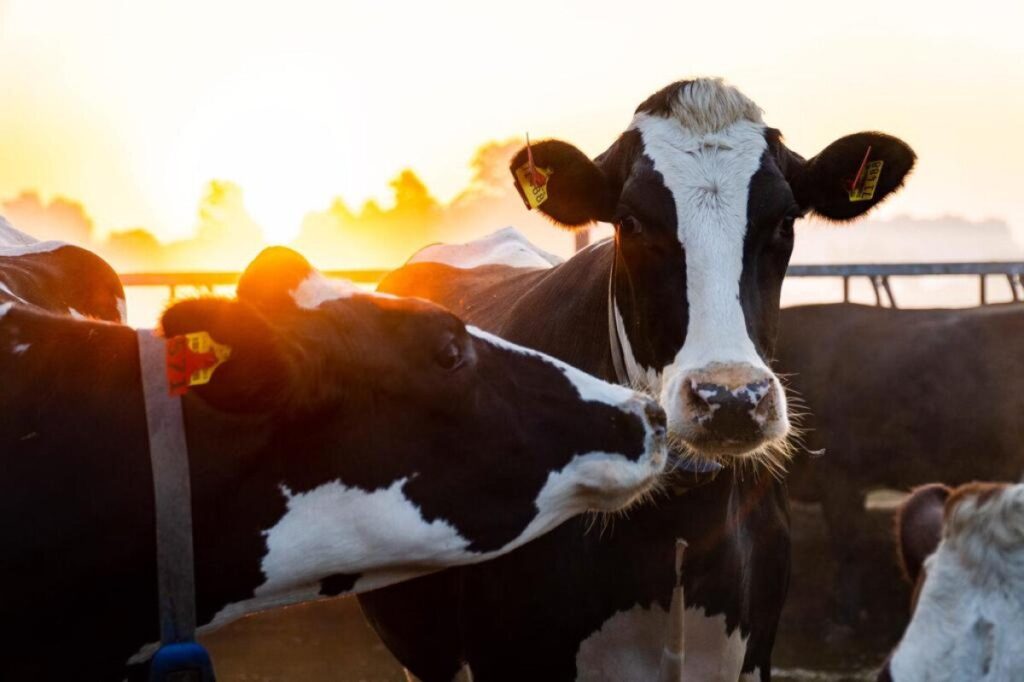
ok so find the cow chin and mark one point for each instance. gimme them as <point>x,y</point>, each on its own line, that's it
<point>723,412</point>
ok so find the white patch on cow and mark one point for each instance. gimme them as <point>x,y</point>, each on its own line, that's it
<point>14,242</point>
<point>507,246</point>
<point>20,348</point>
<point>76,315</point>
<point>708,173</point>
<point>465,674</point>
<point>5,289</point>
<point>589,388</point>
<point>5,308</point>
<point>316,289</point>
<point>646,379</point>
<point>753,676</point>
<point>122,310</point>
<point>970,612</point>
<point>629,647</point>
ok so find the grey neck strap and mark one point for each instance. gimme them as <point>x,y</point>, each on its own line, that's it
<point>168,453</point>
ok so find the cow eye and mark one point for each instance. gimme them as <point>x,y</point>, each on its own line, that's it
<point>450,357</point>
<point>630,225</point>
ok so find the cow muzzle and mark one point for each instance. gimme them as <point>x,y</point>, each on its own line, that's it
<point>723,410</point>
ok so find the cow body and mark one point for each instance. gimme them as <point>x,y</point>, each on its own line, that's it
<point>349,441</point>
<point>964,550</point>
<point>57,277</point>
<point>682,304</point>
<point>938,387</point>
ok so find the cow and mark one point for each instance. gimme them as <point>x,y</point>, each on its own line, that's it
<point>938,387</point>
<point>963,549</point>
<point>57,277</point>
<point>349,440</point>
<point>682,304</point>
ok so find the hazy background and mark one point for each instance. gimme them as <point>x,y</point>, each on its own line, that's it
<point>188,135</point>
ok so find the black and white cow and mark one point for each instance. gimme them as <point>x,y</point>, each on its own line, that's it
<point>964,550</point>
<point>350,440</point>
<point>703,197</point>
<point>57,277</point>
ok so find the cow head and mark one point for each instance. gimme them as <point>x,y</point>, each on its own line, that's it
<point>703,197</point>
<point>964,550</point>
<point>480,445</point>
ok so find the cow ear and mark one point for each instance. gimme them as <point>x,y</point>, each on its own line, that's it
<point>271,279</point>
<point>578,192</point>
<point>852,175</point>
<point>280,280</point>
<point>258,374</point>
<point>919,526</point>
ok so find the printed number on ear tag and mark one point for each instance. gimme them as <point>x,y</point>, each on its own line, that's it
<point>534,182</point>
<point>192,359</point>
<point>864,187</point>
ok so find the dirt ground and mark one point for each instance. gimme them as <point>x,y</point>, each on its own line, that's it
<point>330,641</point>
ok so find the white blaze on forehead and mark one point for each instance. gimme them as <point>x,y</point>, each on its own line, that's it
<point>316,289</point>
<point>708,175</point>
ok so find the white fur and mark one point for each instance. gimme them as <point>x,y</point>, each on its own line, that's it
<point>969,620</point>
<point>122,310</point>
<point>507,246</point>
<point>646,378</point>
<point>14,242</point>
<point>708,174</point>
<point>7,290</point>
<point>76,315</point>
<point>316,289</point>
<point>629,647</point>
<point>5,308</point>
<point>20,348</point>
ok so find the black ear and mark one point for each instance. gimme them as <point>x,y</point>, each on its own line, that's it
<point>919,526</point>
<point>258,375</point>
<point>271,278</point>
<point>578,193</point>
<point>852,175</point>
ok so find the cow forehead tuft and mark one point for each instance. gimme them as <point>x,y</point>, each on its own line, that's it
<point>703,105</point>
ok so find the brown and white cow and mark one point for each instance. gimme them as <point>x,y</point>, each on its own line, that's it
<point>964,550</point>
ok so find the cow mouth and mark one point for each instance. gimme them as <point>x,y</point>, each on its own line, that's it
<point>701,450</point>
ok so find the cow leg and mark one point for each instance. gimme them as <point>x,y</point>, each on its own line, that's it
<point>418,623</point>
<point>843,506</point>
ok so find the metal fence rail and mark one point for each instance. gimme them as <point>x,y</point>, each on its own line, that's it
<point>879,273</point>
<point>876,273</point>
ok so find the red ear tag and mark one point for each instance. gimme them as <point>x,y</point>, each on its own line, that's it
<point>532,179</point>
<point>192,359</point>
<point>864,183</point>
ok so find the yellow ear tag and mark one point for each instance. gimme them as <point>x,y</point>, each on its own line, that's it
<point>864,189</point>
<point>534,182</point>
<point>192,359</point>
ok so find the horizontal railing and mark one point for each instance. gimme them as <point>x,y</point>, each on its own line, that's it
<point>877,273</point>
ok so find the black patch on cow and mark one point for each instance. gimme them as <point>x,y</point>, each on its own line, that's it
<point>338,584</point>
<point>64,278</point>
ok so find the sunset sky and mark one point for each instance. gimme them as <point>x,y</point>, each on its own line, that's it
<point>132,107</point>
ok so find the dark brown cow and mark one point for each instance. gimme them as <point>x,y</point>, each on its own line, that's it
<point>964,549</point>
<point>898,398</point>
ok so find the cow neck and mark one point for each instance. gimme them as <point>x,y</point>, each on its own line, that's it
<point>614,341</point>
